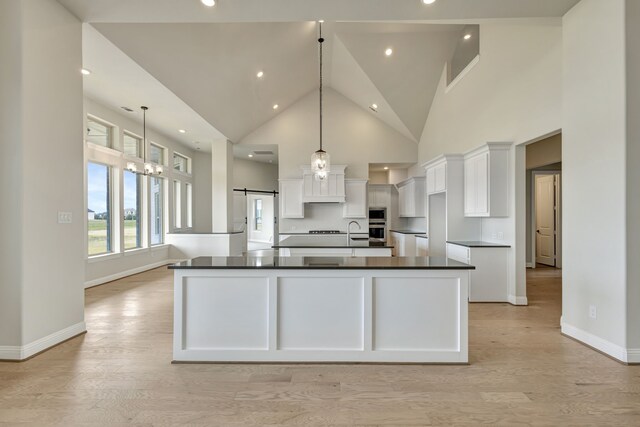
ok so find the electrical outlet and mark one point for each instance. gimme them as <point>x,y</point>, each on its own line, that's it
<point>593,312</point>
<point>500,235</point>
<point>65,217</point>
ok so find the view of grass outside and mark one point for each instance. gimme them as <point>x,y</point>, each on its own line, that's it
<point>98,235</point>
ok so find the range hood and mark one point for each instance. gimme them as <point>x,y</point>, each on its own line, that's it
<point>329,190</point>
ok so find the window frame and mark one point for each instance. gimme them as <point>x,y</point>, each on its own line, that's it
<point>187,162</point>
<point>177,204</point>
<point>140,148</point>
<point>163,152</point>
<point>189,203</point>
<point>111,131</point>
<point>163,206</point>
<point>140,243</point>
<point>110,207</point>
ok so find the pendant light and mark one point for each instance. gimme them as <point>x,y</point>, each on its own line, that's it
<point>149,168</point>
<point>320,160</point>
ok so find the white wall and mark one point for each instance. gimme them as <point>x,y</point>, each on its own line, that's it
<point>594,176</point>
<point>46,175</point>
<point>202,193</point>
<point>353,137</point>
<point>633,174</point>
<point>255,175</point>
<point>99,270</point>
<point>10,169</point>
<point>513,94</point>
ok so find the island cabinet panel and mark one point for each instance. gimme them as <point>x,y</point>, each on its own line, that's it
<point>303,311</point>
<point>291,205</point>
<point>324,313</point>
<point>235,308</point>
<point>399,321</point>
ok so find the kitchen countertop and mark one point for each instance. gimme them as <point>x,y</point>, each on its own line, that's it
<point>322,263</point>
<point>478,244</point>
<point>327,241</point>
<point>205,233</point>
<point>416,232</point>
<point>422,236</point>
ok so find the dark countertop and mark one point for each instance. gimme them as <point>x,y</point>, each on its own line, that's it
<point>342,233</point>
<point>324,241</point>
<point>416,232</point>
<point>422,236</point>
<point>321,263</point>
<point>478,244</point>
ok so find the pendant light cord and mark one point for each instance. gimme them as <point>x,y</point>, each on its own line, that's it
<point>320,40</point>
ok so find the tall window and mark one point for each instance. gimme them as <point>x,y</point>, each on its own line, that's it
<point>132,210</point>
<point>257,213</point>
<point>177,205</point>
<point>132,145</point>
<point>156,153</point>
<point>189,205</point>
<point>180,163</point>
<point>156,210</point>
<point>99,133</point>
<point>99,209</point>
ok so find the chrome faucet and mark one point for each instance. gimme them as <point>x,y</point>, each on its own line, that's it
<point>349,230</point>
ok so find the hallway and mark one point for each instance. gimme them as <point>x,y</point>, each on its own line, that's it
<point>522,371</point>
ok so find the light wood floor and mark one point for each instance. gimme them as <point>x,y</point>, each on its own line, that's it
<point>522,372</point>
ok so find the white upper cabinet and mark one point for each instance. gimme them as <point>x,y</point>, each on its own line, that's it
<point>411,198</point>
<point>380,195</point>
<point>291,205</point>
<point>437,178</point>
<point>486,181</point>
<point>356,199</point>
<point>329,190</point>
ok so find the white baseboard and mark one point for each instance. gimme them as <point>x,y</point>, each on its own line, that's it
<point>35,347</point>
<point>121,274</point>
<point>530,265</point>
<point>633,355</point>
<point>607,347</point>
<point>514,300</point>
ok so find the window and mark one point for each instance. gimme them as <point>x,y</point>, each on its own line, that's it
<point>132,210</point>
<point>189,205</point>
<point>180,163</point>
<point>156,154</point>
<point>156,210</point>
<point>99,133</point>
<point>99,209</point>
<point>177,205</point>
<point>257,213</point>
<point>132,145</point>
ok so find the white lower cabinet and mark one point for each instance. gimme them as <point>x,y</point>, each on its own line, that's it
<point>422,246</point>
<point>404,244</point>
<point>489,282</point>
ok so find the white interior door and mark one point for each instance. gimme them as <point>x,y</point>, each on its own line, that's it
<point>260,218</point>
<point>546,219</point>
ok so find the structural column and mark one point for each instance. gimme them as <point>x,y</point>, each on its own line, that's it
<point>222,186</point>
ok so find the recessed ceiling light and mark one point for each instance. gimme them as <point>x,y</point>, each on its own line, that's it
<point>182,131</point>
<point>85,71</point>
<point>275,106</point>
<point>260,74</point>
<point>428,1</point>
<point>374,106</point>
<point>467,36</point>
<point>208,3</point>
<point>321,21</point>
<point>250,155</point>
<point>386,168</point>
<point>388,52</point>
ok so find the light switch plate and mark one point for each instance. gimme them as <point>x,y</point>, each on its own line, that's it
<point>65,217</point>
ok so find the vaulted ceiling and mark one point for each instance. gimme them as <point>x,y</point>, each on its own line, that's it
<point>208,58</point>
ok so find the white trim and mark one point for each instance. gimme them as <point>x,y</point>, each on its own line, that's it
<point>531,265</point>
<point>462,74</point>
<point>121,274</point>
<point>35,347</point>
<point>514,300</point>
<point>103,257</point>
<point>135,251</point>
<point>159,247</point>
<point>607,347</point>
<point>633,355</point>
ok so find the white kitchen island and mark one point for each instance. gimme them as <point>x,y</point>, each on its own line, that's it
<point>319,309</point>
